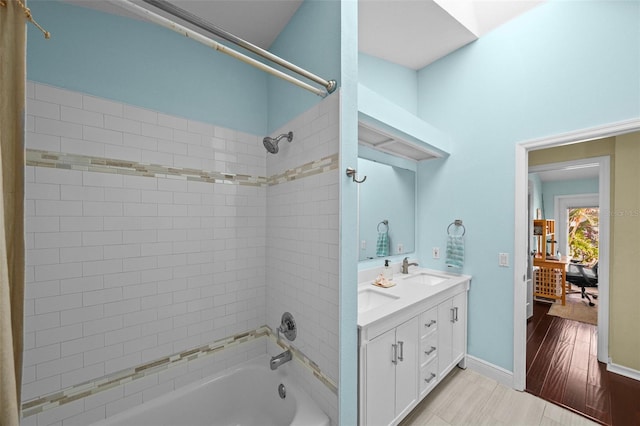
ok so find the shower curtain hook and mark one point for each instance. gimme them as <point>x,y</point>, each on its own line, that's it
<point>351,172</point>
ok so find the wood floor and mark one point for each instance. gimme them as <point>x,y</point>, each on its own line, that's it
<point>562,367</point>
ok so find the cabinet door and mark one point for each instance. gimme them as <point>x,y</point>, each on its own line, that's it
<point>407,372</point>
<point>445,343</point>
<point>459,335</point>
<point>381,379</point>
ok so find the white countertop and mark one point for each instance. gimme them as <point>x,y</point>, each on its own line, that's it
<point>407,293</point>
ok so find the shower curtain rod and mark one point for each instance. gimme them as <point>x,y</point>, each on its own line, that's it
<point>180,29</point>
<point>215,30</point>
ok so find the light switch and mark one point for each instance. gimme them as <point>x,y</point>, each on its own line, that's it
<point>503,259</point>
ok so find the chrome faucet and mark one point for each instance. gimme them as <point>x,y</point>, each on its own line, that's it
<point>406,264</point>
<point>278,360</point>
<point>288,329</point>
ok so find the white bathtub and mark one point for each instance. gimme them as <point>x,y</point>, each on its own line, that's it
<point>246,395</point>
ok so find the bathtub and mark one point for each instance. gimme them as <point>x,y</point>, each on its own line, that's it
<point>245,395</point>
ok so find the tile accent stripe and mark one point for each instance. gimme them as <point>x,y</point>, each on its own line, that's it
<point>306,362</point>
<point>309,169</point>
<point>93,387</point>
<point>60,160</point>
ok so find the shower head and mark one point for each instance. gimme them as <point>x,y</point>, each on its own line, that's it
<point>272,143</point>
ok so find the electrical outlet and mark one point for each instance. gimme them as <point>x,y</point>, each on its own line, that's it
<point>436,252</point>
<point>363,245</point>
<point>503,259</point>
<point>400,249</point>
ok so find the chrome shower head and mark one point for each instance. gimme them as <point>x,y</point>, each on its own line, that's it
<point>271,144</point>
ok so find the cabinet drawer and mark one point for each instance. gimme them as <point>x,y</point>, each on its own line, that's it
<point>428,376</point>
<point>428,321</point>
<point>428,348</point>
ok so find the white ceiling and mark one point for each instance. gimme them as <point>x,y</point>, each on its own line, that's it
<point>256,21</point>
<point>584,171</point>
<point>415,33</point>
<point>411,33</point>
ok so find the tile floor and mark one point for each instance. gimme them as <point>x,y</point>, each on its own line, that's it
<point>467,398</point>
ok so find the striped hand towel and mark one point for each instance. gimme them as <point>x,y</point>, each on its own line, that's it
<point>382,246</point>
<point>455,251</point>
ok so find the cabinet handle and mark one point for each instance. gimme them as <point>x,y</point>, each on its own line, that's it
<point>430,323</point>
<point>456,311</point>
<point>430,351</point>
<point>453,313</point>
<point>395,354</point>
<point>430,378</point>
<point>401,357</point>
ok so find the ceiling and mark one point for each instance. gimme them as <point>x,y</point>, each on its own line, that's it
<point>411,33</point>
<point>582,171</point>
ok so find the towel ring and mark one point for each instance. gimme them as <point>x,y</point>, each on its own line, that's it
<point>385,223</point>
<point>457,223</point>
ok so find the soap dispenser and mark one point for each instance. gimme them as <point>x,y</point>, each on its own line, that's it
<point>387,272</point>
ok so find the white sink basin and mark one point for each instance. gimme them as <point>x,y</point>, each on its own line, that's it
<point>370,298</point>
<point>425,278</point>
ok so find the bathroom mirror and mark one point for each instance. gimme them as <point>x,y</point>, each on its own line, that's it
<point>389,193</point>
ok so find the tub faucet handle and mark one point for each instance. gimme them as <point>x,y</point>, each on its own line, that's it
<point>287,327</point>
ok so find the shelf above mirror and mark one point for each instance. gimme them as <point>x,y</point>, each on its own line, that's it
<point>385,142</point>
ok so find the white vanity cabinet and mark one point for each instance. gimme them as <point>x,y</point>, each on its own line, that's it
<point>404,354</point>
<point>391,369</point>
<point>452,333</point>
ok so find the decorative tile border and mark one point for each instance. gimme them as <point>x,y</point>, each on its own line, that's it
<point>309,169</point>
<point>93,387</point>
<point>306,362</point>
<point>59,160</point>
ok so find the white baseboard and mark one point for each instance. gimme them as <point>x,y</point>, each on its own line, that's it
<point>623,371</point>
<point>491,371</point>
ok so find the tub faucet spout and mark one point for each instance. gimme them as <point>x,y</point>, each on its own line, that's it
<point>278,360</point>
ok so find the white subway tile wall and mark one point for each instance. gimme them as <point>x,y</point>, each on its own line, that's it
<point>127,268</point>
<point>303,243</point>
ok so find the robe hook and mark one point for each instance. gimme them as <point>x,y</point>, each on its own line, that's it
<point>351,172</point>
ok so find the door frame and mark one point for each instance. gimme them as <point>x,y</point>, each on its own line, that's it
<point>520,228</point>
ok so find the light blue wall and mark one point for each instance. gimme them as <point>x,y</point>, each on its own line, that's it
<point>534,179</point>
<point>348,386</point>
<point>565,187</point>
<point>310,40</point>
<point>537,194</point>
<point>395,82</point>
<point>562,66</point>
<point>145,65</point>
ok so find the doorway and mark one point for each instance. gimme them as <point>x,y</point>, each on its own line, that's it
<point>521,235</point>
<point>568,141</point>
<point>562,177</point>
<point>561,359</point>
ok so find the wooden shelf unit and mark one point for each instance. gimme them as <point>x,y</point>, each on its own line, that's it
<point>549,279</point>
<point>545,232</point>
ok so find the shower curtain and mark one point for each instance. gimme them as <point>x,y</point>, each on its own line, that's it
<point>12,86</point>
